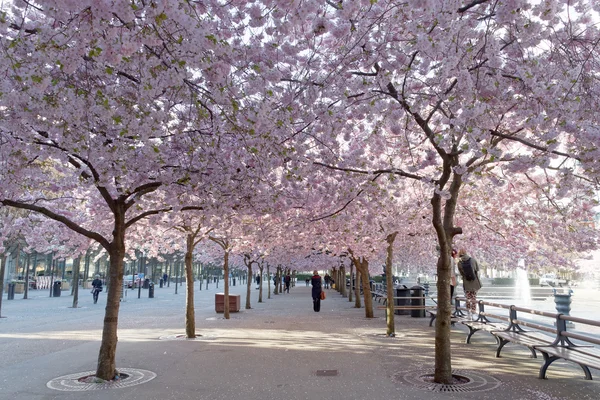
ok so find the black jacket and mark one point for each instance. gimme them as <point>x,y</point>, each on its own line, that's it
<point>316,286</point>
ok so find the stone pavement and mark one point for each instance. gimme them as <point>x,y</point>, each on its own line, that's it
<point>279,349</point>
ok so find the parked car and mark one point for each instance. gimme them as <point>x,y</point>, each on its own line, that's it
<point>551,280</point>
<point>130,279</point>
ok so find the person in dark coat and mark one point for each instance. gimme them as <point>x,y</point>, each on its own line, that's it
<point>316,290</point>
<point>96,288</point>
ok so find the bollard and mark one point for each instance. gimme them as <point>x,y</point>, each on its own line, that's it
<point>124,291</point>
<point>11,291</point>
<point>161,282</point>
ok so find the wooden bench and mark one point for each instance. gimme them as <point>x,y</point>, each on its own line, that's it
<point>555,342</point>
<point>378,295</point>
<point>457,314</point>
<point>407,307</point>
<point>584,353</point>
<point>516,334</point>
<point>484,322</point>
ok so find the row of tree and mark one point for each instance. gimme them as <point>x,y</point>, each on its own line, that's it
<point>292,132</point>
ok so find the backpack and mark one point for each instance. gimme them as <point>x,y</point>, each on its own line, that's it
<point>468,271</point>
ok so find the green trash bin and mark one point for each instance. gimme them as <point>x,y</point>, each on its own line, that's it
<point>402,292</point>
<point>56,289</point>
<point>418,300</point>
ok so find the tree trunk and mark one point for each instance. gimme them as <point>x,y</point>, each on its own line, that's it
<point>280,280</point>
<point>269,283</point>
<point>75,281</point>
<point>445,231</point>
<point>26,292</point>
<point>2,271</point>
<point>116,250</point>
<point>351,280</point>
<point>340,283</point>
<point>190,314</point>
<point>226,283</point>
<point>362,264</point>
<point>391,331</point>
<point>260,290</point>
<point>357,302</point>
<point>248,285</point>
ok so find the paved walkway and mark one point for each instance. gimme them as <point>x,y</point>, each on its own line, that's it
<point>280,349</point>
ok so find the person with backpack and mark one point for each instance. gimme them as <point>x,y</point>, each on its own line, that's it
<point>469,270</point>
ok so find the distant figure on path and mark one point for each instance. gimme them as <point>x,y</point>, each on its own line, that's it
<point>469,270</point>
<point>165,278</point>
<point>316,290</point>
<point>287,280</point>
<point>327,279</point>
<point>307,281</point>
<point>96,288</point>
<point>258,281</point>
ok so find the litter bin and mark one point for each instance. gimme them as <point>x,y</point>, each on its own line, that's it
<point>402,292</point>
<point>56,289</point>
<point>151,290</point>
<point>146,283</point>
<point>161,282</point>
<point>418,300</point>
<point>11,291</point>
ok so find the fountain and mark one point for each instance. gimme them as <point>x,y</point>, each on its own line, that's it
<point>522,288</point>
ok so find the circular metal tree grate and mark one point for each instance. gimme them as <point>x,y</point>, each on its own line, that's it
<point>83,381</point>
<point>466,381</point>
<point>184,337</point>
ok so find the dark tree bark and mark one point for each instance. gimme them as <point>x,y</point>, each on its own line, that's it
<point>391,330</point>
<point>190,313</point>
<point>75,281</point>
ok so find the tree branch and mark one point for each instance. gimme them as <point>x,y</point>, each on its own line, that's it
<point>59,218</point>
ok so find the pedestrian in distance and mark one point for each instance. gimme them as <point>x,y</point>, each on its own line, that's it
<point>287,281</point>
<point>257,281</point>
<point>453,274</point>
<point>326,279</point>
<point>316,283</point>
<point>96,288</point>
<point>307,281</point>
<point>165,278</point>
<point>469,270</point>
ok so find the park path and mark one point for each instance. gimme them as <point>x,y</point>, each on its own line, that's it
<point>280,349</point>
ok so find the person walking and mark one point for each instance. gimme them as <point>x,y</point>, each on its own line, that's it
<point>326,279</point>
<point>287,281</point>
<point>258,281</point>
<point>96,288</point>
<point>316,283</point>
<point>469,270</point>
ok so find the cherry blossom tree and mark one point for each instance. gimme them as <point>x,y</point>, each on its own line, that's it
<point>113,108</point>
<point>443,92</point>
